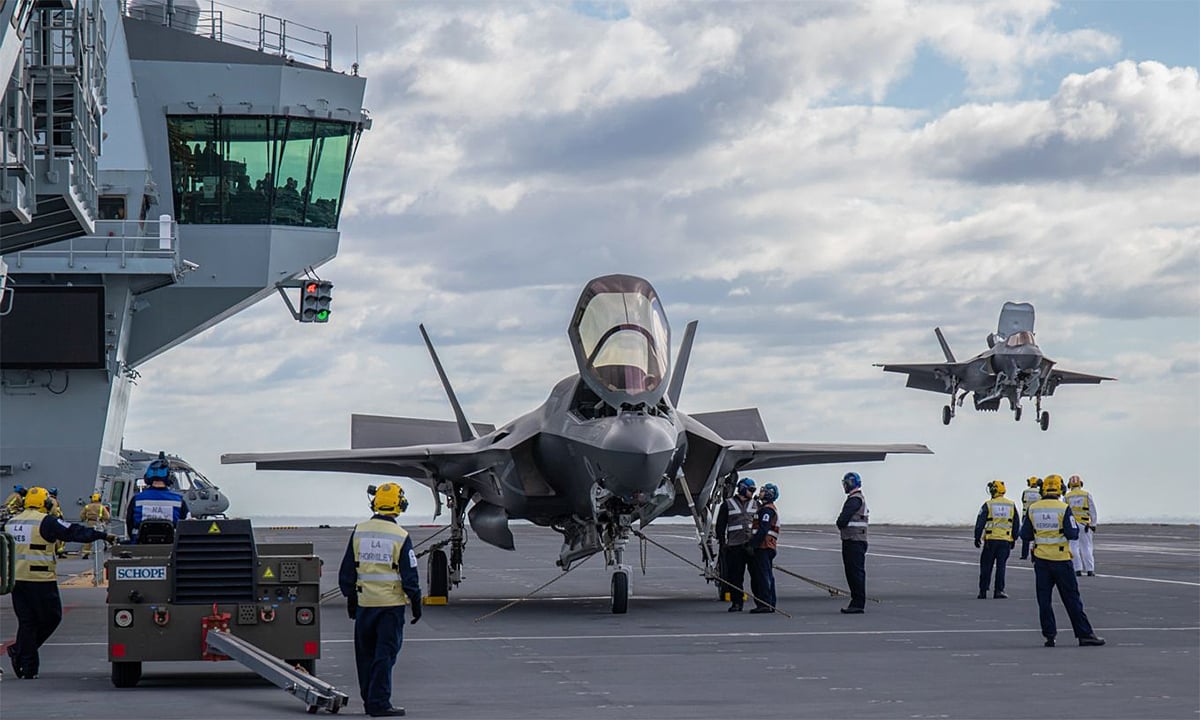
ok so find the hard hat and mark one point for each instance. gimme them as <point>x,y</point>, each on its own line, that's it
<point>53,492</point>
<point>996,487</point>
<point>1075,482</point>
<point>38,499</point>
<point>19,489</point>
<point>851,481</point>
<point>388,499</point>
<point>159,470</point>
<point>1033,480</point>
<point>769,492</point>
<point>745,484</point>
<point>95,497</point>
<point>1052,485</point>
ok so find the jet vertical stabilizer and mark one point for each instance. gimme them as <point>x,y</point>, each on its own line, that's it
<point>685,353</point>
<point>464,426</point>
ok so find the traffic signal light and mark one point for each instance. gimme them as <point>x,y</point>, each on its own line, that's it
<point>315,298</point>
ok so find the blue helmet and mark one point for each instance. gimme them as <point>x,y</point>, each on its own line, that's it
<point>769,492</point>
<point>851,481</point>
<point>745,484</point>
<point>19,489</point>
<point>53,491</point>
<point>158,470</point>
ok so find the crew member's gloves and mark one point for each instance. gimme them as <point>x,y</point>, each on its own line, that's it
<point>978,543</point>
<point>110,539</point>
<point>1091,528</point>
<point>352,606</point>
<point>416,612</point>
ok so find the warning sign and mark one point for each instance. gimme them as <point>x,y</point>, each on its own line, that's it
<point>268,575</point>
<point>214,528</point>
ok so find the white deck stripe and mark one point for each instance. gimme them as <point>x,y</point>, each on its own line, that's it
<point>687,636</point>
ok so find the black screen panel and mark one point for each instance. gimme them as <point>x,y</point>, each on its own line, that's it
<point>53,327</point>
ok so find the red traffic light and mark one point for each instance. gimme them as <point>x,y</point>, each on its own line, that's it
<point>310,287</point>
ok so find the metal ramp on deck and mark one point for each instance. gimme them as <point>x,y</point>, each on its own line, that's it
<point>316,694</point>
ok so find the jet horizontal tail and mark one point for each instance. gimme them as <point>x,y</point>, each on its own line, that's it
<point>379,431</point>
<point>743,424</point>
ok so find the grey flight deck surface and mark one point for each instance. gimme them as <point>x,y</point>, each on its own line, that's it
<point>928,649</point>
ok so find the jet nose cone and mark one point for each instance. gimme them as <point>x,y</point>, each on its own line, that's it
<point>634,455</point>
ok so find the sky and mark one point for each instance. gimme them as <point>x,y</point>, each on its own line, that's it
<point>819,184</point>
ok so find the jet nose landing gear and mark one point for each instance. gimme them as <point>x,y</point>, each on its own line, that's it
<point>947,414</point>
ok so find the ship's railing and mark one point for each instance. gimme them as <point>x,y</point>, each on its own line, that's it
<point>119,241</point>
<point>231,24</point>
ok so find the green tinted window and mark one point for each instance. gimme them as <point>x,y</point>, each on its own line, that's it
<point>258,170</point>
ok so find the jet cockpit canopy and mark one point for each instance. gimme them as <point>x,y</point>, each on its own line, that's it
<point>622,341</point>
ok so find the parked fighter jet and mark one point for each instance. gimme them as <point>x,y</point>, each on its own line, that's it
<point>607,448</point>
<point>1011,368</point>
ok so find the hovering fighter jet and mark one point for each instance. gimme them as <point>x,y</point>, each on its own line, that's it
<point>607,449</point>
<point>1011,368</point>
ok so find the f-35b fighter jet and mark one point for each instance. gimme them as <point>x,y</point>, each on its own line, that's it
<point>1011,368</point>
<point>607,449</point>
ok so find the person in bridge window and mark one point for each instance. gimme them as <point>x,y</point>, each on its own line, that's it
<point>157,501</point>
<point>1051,527</point>
<point>35,597</point>
<point>765,541</point>
<point>735,522</point>
<point>852,526</point>
<point>999,526</point>
<point>379,577</point>
<point>1083,507</point>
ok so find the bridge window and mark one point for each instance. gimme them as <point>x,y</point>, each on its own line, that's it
<point>258,170</point>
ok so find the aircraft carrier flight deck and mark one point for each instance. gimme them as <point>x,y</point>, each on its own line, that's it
<point>927,649</point>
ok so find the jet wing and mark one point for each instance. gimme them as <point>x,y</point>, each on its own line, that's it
<point>463,462</point>
<point>934,377</point>
<point>1066,377</point>
<point>743,455</point>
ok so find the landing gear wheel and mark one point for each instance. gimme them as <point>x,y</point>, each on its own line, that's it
<point>312,709</point>
<point>439,574</point>
<point>947,413</point>
<point>620,593</point>
<point>126,674</point>
<point>1044,420</point>
<point>1017,414</point>
<point>309,665</point>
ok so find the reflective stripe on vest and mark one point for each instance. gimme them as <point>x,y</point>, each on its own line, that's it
<point>93,512</point>
<point>856,529</point>
<point>1001,513</point>
<point>377,547</point>
<point>771,541</point>
<point>1047,517</point>
<point>33,554</point>
<point>1081,505</point>
<point>741,521</point>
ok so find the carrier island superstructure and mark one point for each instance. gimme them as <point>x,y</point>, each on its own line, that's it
<point>167,163</point>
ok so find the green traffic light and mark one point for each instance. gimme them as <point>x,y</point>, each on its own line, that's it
<point>322,316</point>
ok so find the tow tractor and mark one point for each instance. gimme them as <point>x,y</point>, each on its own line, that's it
<point>206,591</point>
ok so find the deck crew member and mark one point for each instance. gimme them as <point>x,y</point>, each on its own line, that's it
<point>735,520</point>
<point>60,547</point>
<point>157,501</point>
<point>379,577</point>
<point>96,516</point>
<point>1029,496</point>
<point>1051,526</point>
<point>15,502</point>
<point>764,541</point>
<point>998,525</point>
<point>852,526</point>
<point>35,596</point>
<point>1083,507</point>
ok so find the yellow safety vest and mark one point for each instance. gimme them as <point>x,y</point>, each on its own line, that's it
<point>1081,505</point>
<point>1047,516</point>
<point>34,556</point>
<point>377,547</point>
<point>14,503</point>
<point>1001,512</point>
